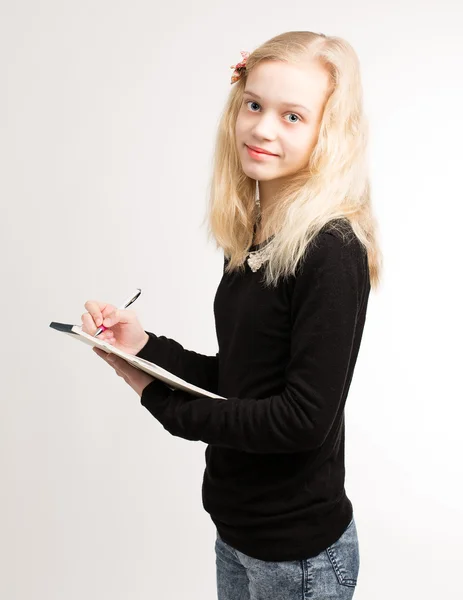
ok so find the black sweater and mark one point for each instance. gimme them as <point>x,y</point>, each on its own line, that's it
<point>274,478</point>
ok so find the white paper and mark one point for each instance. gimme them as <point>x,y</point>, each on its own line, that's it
<point>142,364</point>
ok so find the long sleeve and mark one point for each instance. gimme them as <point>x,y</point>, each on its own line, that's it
<point>198,369</point>
<point>326,298</point>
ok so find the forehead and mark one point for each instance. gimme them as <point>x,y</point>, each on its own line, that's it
<point>280,82</point>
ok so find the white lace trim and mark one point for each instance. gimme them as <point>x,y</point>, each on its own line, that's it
<point>258,257</point>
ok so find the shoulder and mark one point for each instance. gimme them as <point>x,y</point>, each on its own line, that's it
<point>333,272</point>
<point>336,237</point>
<point>336,251</point>
<point>339,233</point>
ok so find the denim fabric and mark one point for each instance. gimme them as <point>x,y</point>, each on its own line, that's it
<point>331,575</point>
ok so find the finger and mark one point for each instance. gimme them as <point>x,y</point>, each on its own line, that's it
<point>112,319</point>
<point>100,352</point>
<point>117,365</point>
<point>120,366</point>
<point>110,358</point>
<point>98,310</point>
<point>107,336</point>
<point>119,315</point>
<point>88,325</point>
<point>94,312</point>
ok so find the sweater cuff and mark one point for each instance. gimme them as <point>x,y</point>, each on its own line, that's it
<point>149,350</point>
<point>155,392</point>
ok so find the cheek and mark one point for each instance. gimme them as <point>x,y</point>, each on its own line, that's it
<point>239,128</point>
<point>304,144</point>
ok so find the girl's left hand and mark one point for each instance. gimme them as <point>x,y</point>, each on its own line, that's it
<point>137,379</point>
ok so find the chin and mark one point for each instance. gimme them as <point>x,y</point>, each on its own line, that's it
<point>258,172</point>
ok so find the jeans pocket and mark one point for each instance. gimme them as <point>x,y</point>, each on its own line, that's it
<point>344,556</point>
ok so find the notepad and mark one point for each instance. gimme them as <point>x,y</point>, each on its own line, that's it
<point>174,382</point>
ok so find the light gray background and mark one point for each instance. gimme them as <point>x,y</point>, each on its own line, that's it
<point>108,114</point>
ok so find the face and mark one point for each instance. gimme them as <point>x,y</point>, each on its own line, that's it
<point>281,113</point>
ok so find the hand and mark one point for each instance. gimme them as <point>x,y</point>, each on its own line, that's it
<point>123,330</point>
<point>136,378</point>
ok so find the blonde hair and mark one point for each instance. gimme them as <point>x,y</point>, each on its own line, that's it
<point>334,185</point>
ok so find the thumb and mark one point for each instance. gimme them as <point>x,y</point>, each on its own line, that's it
<point>122,316</point>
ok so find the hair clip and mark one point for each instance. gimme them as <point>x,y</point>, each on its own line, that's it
<point>239,67</point>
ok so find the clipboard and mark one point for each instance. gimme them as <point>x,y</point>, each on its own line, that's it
<point>171,380</point>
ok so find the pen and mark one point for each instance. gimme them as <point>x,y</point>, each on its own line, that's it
<point>130,300</point>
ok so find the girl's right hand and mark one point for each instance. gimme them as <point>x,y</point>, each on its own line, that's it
<point>124,330</point>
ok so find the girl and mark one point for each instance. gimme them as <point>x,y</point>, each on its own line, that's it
<point>290,207</point>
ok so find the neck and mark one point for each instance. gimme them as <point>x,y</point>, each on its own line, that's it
<point>259,234</point>
<point>267,193</point>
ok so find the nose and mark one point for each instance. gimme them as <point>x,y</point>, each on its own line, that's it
<point>264,127</point>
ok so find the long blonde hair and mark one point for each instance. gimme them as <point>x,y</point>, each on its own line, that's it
<point>334,185</point>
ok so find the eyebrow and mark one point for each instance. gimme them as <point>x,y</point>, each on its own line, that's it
<point>290,104</point>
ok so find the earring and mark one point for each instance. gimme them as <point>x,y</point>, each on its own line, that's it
<point>259,214</point>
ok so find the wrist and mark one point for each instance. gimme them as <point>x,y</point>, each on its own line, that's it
<point>140,347</point>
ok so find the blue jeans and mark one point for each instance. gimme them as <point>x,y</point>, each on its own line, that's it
<point>331,575</point>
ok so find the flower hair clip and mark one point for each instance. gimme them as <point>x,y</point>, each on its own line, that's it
<point>239,67</point>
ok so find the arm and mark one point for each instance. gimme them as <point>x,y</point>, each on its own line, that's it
<point>326,298</point>
<point>195,368</point>
<point>198,369</point>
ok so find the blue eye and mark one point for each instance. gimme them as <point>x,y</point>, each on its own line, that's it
<point>254,102</point>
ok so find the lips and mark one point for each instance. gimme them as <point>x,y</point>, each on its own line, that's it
<point>261,150</point>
